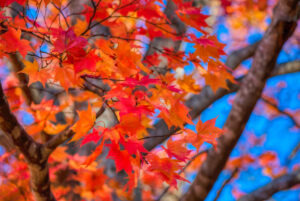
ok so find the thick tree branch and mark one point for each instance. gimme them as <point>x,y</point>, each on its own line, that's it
<point>17,66</point>
<point>32,151</point>
<point>67,134</point>
<point>284,22</point>
<point>289,67</point>
<point>238,56</point>
<point>6,142</point>
<point>282,183</point>
<point>11,127</point>
<point>58,140</point>
<point>30,95</point>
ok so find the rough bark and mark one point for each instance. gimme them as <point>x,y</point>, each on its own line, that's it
<point>11,127</point>
<point>290,67</point>
<point>33,152</point>
<point>279,184</point>
<point>283,24</point>
<point>17,66</point>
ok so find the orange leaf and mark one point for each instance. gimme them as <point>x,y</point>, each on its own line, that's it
<point>33,72</point>
<point>11,42</point>
<point>84,124</point>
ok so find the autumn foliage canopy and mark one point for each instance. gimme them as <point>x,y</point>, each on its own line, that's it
<point>87,84</point>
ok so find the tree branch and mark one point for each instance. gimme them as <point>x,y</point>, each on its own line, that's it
<point>284,22</point>
<point>67,134</point>
<point>275,106</point>
<point>58,140</point>
<point>289,67</point>
<point>234,172</point>
<point>238,56</point>
<point>11,127</point>
<point>159,43</point>
<point>32,151</point>
<point>198,103</point>
<point>294,151</point>
<point>17,66</point>
<point>181,171</point>
<point>282,183</point>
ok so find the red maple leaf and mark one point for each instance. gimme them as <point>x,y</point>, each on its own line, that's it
<point>121,157</point>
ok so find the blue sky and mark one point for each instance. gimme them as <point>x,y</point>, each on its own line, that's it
<point>280,137</point>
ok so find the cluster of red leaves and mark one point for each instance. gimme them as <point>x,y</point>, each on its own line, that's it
<point>14,178</point>
<point>76,54</point>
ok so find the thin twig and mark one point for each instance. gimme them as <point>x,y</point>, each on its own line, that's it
<point>234,172</point>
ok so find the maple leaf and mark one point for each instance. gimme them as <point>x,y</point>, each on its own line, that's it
<point>193,17</point>
<point>187,83</point>
<point>44,114</point>
<point>132,182</point>
<point>5,3</point>
<point>208,132</point>
<point>208,50</point>
<point>121,158</point>
<point>132,124</point>
<point>165,168</point>
<point>150,10</point>
<point>126,59</point>
<point>94,136</point>
<point>133,146</point>
<point>101,13</point>
<point>240,162</point>
<point>267,158</point>
<point>85,62</point>
<point>80,26</point>
<point>177,115</point>
<point>129,105</point>
<point>34,73</point>
<point>91,158</point>
<point>69,42</point>
<point>53,129</point>
<point>112,134</point>
<point>217,75</point>
<point>11,42</point>
<point>175,148</point>
<point>59,154</point>
<point>144,81</point>
<point>66,76</point>
<point>84,124</point>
